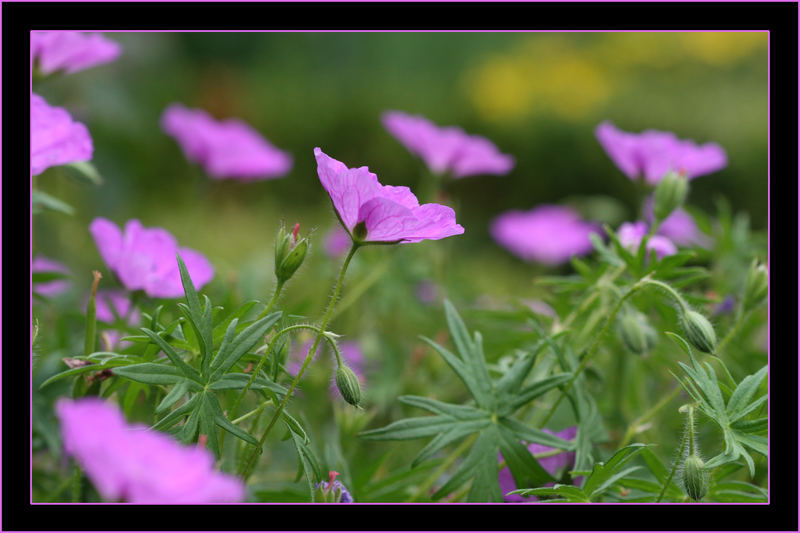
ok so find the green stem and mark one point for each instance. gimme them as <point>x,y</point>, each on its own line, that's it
<point>590,299</point>
<point>76,483</point>
<point>632,428</point>
<point>268,308</point>
<point>672,472</point>
<point>251,413</point>
<point>593,348</point>
<point>357,290</point>
<point>91,318</point>
<point>246,472</point>
<point>426,485</point>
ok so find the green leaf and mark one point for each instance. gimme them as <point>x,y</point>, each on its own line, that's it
<point>751,426</point>
<point>744,393</point>
<point>412,428</point>
<point>192,299</point>
<point>43,277</point>
<point>243,342</point>
<point>221,328</point>
<point>538,388</point>
<point>151,373</point>
<point>82,171</point>
<point>461,412</point>
<point>443,439</point>
<point>471,354</point>
<point>569,492</point>
<point>173,396</point>
<point>485,446</point>
<point>172,418</point>
<point>208,424</point>
<point>88,368</point>
<point>307,463</point>
<point>179,363</point>
<point>601,473</point>
<point>538,436</point>
<point>236,380</point>
<point>41,200</point>
<point>524,467</point>
<point>461,370</point>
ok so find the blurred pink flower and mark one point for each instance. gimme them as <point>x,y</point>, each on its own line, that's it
<point>553,464</point>
<point>337,242</point>
<point>137,464</point>
<point>679,227</point>
<point>384,213</point>
<point>427,291</point>
<point>55,138</point>
<point>228,148</point>
<point>549,234</point>
<point>71,51</point>
<point>448,148</point>
<point>350,351</point>
<point>108,301</point>
<point>630,234</point>
<point>145,258</point>
<point>49,288</point>
<point>654,153</point>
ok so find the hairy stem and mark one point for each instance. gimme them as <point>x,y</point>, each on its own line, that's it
<point>248,467</point>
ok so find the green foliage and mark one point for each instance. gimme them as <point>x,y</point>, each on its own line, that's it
<point>490,417</point>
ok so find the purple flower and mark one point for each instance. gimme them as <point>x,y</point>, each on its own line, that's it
<point>654,153</point>
<point>553,464</point>
<point>335,487</point>
<point>548,234</point>
<point>49,288</point>
<point>71,51</point>
<point>630,235</point>
<point>137,464</point>
<point>227,149</point>
<point>109,301</point>
<point>679,227</point>
<point>55,138</point>
<point>540,307</point>
<point>145,258</point>
<point>372,212</point>
<point>725,306</point>
<point>337,242</point>
<point>447,149</point>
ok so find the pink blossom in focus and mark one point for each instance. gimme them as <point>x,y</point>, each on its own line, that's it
<point>227,148</point>
<point>145,258</point>
<point>71,51</point>
<point>387,214</point>
<point>654,153</point>
<point>137,464</point>
<point>549,234</point>
<point>55,138</point>
<point>447,148</point>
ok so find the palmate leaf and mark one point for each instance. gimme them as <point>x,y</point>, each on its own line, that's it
<point>489,417</point>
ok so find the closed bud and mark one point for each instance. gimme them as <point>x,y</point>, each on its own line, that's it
<point>348,385</point>
<point>289,253</point>
<point>699,331</point>
<point>636,333</point>
<point>756,285</point>
<point>669,195</point>
<point>695,479</point>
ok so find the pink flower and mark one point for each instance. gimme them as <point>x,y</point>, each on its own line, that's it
<point>145,258</point>
<point>447,149</point>
<point>630,234</point>
<point>654,153</point>
<point>372,212</point>
<point>679,227</point>
<point>137,464</point>
<point>55,138</point>
<point>227,149</point>
<point>109,301</point>
<point>71,51</point>
<point>553,464</point>
<point>49,288</point>
<point>549,234</point>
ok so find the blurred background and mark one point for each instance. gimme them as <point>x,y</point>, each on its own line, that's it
<point>537,96</point>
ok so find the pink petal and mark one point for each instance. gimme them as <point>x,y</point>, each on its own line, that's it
<point>55,138</point>
<point>108,239</point>
<point>349,188</point>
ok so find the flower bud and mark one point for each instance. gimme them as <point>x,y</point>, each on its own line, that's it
<point>699,331</point>
<point>347,383</point>
<point>289,253</point>
<point>669,195</point>
<point>695,479</point>
<point>756,286</point>
<point>636,333</point>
